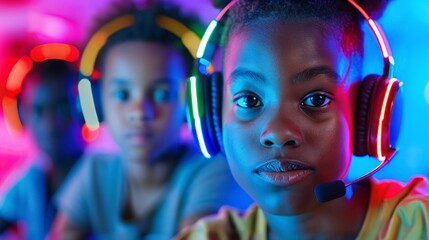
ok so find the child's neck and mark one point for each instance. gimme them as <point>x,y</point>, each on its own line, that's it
<point>142,173</point>
<point>146,184</point>
<point>338,219</point>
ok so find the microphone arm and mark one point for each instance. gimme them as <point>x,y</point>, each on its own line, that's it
<point>389,157</point>
<point>335,189</point>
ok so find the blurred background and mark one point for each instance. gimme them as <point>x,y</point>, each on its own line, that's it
<point>26,23</point>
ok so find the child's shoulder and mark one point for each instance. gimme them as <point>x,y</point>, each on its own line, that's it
<point>193,156</point>
<point>416,187</point>
<point>397,210</point>
<point>97,163</point>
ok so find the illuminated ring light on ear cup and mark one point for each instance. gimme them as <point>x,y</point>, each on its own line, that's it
<point>376,136</point>
<point>19,72</point>
<point>382,105</point>
<point>204,115</point>
<point>380,115</point>
<point>360,147</point>
<point>89,56</point>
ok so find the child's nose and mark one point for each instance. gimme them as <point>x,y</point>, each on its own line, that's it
<point>280,131</point>
<point>142,111</point>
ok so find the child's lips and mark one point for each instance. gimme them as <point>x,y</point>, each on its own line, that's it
<point>283,172</point>
<point>138,138</point>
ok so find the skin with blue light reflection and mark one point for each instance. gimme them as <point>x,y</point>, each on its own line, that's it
<point>289,100</point>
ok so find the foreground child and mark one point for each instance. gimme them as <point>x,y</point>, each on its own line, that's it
<point>291,114</point>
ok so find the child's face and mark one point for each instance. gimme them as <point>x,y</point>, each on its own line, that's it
<point>142,94</point>
<point>47,109</point>
<point>287,112</point>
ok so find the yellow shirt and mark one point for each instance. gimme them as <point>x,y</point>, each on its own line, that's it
<point>395,211</point>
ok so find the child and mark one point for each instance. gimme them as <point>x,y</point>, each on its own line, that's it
<point>290,92</point>
<point>47,106</point>
<point>157,183</point>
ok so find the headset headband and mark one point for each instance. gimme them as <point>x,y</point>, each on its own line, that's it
<point>189,39</point>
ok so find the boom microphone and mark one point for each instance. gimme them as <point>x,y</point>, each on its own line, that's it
<point>335,189</point>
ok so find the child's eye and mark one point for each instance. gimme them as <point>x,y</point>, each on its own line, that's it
<point>316,100</point>
<point>121,95</point>
<point>248,101</point>
<point>161,95</point>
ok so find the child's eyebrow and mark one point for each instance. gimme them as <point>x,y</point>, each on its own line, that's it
<point>119,81</point>
<point>245,74</point>
<point>310,73</point>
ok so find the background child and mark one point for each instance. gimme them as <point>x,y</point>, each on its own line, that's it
<point>47,106</point>
<point>157,183</point>
<point>290,110</point>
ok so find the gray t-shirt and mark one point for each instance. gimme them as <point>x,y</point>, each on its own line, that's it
<point>93,197</point>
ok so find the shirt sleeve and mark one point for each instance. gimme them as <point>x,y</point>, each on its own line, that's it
<point>212,187</point>
<point>397,210</point>
<point>411,217</point>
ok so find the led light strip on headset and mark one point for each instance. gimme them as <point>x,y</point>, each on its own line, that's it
<point>19,71</point>
<point>189,39</point>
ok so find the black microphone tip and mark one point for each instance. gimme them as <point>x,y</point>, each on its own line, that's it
<point>329,191</point>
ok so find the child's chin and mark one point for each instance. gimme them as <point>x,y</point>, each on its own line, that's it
<point>286,204</point>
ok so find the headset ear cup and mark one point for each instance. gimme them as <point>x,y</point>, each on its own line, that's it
<point>362,115</point>
<point>216,103</point>
<point>210,95</point>
<point>200,114</point>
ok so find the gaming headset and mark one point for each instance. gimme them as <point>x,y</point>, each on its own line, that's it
<point>91,108</point>
<point>19,71</point>
<point>375,130</point>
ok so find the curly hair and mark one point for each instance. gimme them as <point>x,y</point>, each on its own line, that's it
<point>49,72</point>
<point>53,70</point>
<point>145,28</point>
<point>340,17</point>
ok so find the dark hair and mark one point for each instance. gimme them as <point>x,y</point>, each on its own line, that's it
<point>53,70</point>
<point>146,29</point>
<point>341,18</point>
